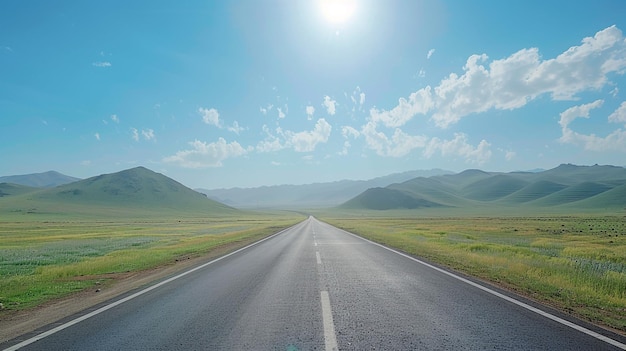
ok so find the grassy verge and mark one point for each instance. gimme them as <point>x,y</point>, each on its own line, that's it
<point>45,260</point>
<point>575,263</point>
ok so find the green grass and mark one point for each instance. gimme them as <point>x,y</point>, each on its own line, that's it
<point>575,263</point>
<point>49,259</point>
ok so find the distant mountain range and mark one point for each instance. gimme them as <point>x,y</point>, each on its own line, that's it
<point>308,195</point>
<point>39,180</point>
<point>133,191</point>
<point>140,191</point>
<point>564,186</point>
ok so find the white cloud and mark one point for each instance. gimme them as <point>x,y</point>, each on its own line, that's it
<point>102,64</point>
<point>148,134</point>
<point>135,133</point>
<point>510,155</point>
<point>572,113</point>
<point>204,154</point>
<point>614,92</point>
<point>306,141</point>
<point>281,114</point>
<point>459,147</point>
<point>271,142</point>
<point>512,82</point>
<point>619,115</point>
<point>97,135</point>
<point>115,119</point>
<point>348,131</point>
<point>420,102</point>
<point>235,128</point>
<point>430,53</point>
<point>346,146</point>
<point>310,110</point>
<point>210,116</point>
<point>400,144</point>
<point>330,105</point>
<point>615,141</point>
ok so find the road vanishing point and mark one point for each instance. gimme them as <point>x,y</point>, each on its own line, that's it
<point>316,287</point>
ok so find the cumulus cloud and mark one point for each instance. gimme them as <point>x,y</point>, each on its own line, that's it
<point>614,141</point>
<point>330,105</point>
<point>310,110</point>
<point>102,64</point>
<point>459,147</point>
<point>97,136</point>
<point>512,82</point>
<point>400,144</point>
<point>202,154</point>
<point>358,99</point>
<point>572,113</point>
<point>135,134</point>
<point>348,131</point>
<point>235,128</point>
<point>306,141</point>
<point>271,142</point>
<point>210,116</point>
<point>419,102</point>
<point>147,134</point>
<point>115,119</point>
<point>281,114</point>
<point>619,115</point>
<point>430,53</point>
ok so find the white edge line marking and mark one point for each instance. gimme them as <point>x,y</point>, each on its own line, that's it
<point>330,338</point>
<point>504,297</point>
<point>318,257</point>
<point>130,297</point>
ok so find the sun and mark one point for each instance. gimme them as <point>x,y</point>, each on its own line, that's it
<point>337,11</point>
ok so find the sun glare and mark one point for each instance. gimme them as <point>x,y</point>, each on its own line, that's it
<point>337,11</point>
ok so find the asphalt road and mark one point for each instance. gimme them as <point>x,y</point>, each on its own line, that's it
<point>315,287</point>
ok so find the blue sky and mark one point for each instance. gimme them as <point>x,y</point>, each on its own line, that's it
<point>248,93</point>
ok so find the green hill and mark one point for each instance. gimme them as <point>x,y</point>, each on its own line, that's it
<point>570,194</point>
<point>612,198</point>
<point>433,190</point>
<point>134,192</point>
<point>493,188</point>
<point>10,189</point>
<point>386,199</point>
<point>39,180</point>
<point>567,187</point>
<point>533,191</point>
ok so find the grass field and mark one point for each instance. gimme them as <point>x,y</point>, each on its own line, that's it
<point>41,260</point>
<point>575,263</point>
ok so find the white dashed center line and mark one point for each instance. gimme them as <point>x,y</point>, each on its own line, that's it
<point>330,339</point>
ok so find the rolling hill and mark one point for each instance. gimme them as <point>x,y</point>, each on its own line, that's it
<point>309,195</point>
<point>137,191</point>
<point>11,189</point>
<point>566,186</point>
<point>39,180</point>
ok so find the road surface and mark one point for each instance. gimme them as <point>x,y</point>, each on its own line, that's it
<point>315,287</point>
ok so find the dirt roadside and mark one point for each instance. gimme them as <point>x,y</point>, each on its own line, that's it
<point>16,323</point>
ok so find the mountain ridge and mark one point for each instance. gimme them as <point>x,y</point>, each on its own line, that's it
<point>566,186</point>
<point>133,191</point>
<point>47,179</point>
